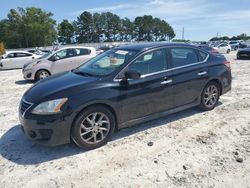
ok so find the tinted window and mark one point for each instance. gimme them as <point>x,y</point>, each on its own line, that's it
<point>203,55</point>
<point>223,45</point>
<point>61,54</point>
<point>150,62</point>
<point>11,55</point>
<point>183,56</point>
<point>80,51</point>
<point>22,55</point>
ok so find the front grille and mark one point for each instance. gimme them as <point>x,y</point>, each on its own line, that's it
<point>24,105</point>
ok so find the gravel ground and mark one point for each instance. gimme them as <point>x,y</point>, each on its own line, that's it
<point>187,149</point>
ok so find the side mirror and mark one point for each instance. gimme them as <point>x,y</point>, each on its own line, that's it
<point>54,58</point>
<point>132,75</point>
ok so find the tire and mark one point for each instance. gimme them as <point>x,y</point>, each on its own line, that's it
<point>41,74</point>
<point>228,51</point>
<point>210,96</point>
<point>87,133</point>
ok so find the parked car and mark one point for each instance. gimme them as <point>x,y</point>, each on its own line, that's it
<point>16,59</point>
<point>234,45</point>
<point>61,60</point>
<point>223,48</point>
<point>244,53</point>
<point>121,87</point>
<point>208,48</point>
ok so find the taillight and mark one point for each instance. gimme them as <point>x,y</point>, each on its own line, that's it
<point>227,63</point>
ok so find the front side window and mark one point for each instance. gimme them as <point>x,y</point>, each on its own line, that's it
<point>151,62</point>
<point>11,55</point>
<point>183,56</point>
<point>106,63</point>
<point>61,54</point>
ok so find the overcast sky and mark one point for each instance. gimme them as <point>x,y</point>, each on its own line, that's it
<point>202,19</point>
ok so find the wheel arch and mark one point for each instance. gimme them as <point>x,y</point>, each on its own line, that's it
<point>109,107</point>
<point>40,70</point>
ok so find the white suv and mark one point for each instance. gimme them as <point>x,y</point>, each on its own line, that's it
<point>64,59</point>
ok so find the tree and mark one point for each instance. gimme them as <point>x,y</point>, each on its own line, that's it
<point>28,27</point>
<point>66,30</point>
<point>2,48</point>
<point>85,26</point>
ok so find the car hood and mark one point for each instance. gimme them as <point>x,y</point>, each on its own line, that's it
<point>57,86</point>
<point>245,50</point>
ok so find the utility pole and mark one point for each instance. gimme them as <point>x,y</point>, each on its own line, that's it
<point>183,33</point>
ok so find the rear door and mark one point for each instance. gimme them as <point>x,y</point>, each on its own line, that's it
<point>151,93</point>
<point>189,73</point>
<point>82,55</point>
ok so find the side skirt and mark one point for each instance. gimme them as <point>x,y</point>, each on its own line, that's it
<point>156,115</point>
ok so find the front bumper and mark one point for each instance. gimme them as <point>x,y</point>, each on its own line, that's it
<point>49,130</point>
<point>28,75</point>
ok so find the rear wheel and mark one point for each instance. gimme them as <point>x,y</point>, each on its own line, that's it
<point>41,74</point>
<point>93,127</point>
<point>210,96</point>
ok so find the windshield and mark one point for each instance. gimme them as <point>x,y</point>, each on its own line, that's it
<point>106,63</point>
<point>45,55</point>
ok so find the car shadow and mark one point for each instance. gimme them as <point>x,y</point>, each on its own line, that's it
<point>24,82</point>
<point>15,147</point>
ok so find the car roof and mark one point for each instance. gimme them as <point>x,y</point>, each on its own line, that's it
<point>83,47</point>
<point>15,51</point>
<point>152,45</point>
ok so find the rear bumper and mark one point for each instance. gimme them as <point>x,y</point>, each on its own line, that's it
<point>50,131</point>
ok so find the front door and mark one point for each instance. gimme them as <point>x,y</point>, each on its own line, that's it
<point>151,93</point>
<point>64,60</point>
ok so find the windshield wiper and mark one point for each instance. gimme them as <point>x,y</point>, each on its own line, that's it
<point>82,73</point>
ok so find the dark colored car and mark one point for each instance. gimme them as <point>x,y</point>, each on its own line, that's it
<point>119,88</point>
<point>243,53</point>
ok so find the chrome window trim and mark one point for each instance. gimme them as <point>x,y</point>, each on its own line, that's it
<point>167,70</point>
<point>27,108</point>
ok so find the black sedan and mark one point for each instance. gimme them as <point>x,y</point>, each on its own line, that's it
<point>243,53</point>
<point>121,87</point>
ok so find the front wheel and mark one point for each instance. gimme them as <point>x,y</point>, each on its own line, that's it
<point>210,96</point>
<point>93,127</point>
<point>41,74</point>
<point>228,51</point>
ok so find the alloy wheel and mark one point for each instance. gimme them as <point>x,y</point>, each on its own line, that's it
<point>43,75</point>
<point>211,95</point>
<point>95,128</point>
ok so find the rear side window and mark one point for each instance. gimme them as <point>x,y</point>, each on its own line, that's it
<point>203,55</point>
<point>81,51</point>
<point>150,62</point>
<point>22,55</point>
<point>183,56</point>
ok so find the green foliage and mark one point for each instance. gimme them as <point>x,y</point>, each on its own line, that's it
<point>66,29</point>
<point>110,27</point>
<point>32,27</point>
<point>180,40</point>
<point>2,48</point>
<point>242,36</point>
<point>28,27</point>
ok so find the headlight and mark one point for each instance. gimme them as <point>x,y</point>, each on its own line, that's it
<point>49,107</point>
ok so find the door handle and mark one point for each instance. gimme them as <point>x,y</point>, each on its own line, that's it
<point>202,73</point>
<point>166,82</point>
